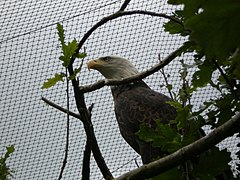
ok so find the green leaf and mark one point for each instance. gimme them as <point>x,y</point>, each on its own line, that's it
<point>163,136</point>
<point>61,33</point>
<point>174,28</point>
<point>76,71</point>
<point>52,81</point>
<point>62,58</point>
<point>191,8</point>
<point>204,75</point>
<point>183,117</point>
<point>5,171</point>
<point>175,104</point>
<point>68,51</point>
<point>146,133</point>
<point>183,114</point>
<point>236,71</point>
<point>224,115</point>
<point>10,149</point>
<point>169,140</point>
<point>226,108</point>
<point>165,130</point>
<point>81,55</point>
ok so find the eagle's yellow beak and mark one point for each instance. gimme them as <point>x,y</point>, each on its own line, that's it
<point>94,64</point>
<point>91,64</point>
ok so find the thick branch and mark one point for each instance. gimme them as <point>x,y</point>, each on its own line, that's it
<point>185,153</point>
<point>87,155</point>
<point>86,161</point>
<point>86,119</point>
<point>157,67</point>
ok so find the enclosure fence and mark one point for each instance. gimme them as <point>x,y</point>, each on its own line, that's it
<point>29,53</point>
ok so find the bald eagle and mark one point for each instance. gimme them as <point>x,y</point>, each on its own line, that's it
<point>134,103</point>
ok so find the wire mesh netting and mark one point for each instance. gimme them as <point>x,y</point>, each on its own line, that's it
<point>29,52</point>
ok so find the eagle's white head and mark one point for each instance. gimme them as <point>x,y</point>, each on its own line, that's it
<point>113,67</point>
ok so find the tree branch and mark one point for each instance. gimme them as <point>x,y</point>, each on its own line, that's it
<point>185,153</point>
<point>157,67</point>
<point>61,108</point>
<point>117,15</point>
<point>124,5</point>
<point>165,78</point>
<point>86,161</point>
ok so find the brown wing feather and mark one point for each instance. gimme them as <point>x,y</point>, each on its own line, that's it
<point>136,104</point>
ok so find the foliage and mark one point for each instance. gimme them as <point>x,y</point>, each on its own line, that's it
<point>68,52</point>
<point>52,81</point>
<point>5,171</point>
<point>214,27</point>
<point>213,30</point>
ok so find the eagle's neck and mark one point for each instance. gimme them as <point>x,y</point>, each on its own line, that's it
<point>119,72</point>
<point>117,89</point>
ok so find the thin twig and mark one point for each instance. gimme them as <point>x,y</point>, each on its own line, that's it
<point>124,5</point>
<point>67,137</point>
<point>61,108</point>
<point>157,67</point>
<point>165,78</point>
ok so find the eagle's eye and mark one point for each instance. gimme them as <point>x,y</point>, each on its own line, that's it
<point>106,58</point>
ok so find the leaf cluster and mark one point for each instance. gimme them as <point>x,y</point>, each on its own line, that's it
<point>214,27</point>
<point>5,171</point>
<point>68,52</point>
<point>164,136</point>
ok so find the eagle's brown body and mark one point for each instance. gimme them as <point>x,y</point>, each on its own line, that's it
<point>136,103</point>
